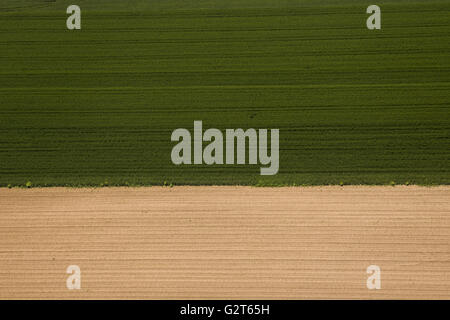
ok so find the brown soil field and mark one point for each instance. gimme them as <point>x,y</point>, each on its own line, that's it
<point>225,242</point>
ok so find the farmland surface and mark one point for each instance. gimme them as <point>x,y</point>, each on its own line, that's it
<point>98,105</point>
<point>225,242</point>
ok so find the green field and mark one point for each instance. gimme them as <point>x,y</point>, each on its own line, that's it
<point>99,104</point>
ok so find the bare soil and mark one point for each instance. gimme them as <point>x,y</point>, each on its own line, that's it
<point>225,242</point>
